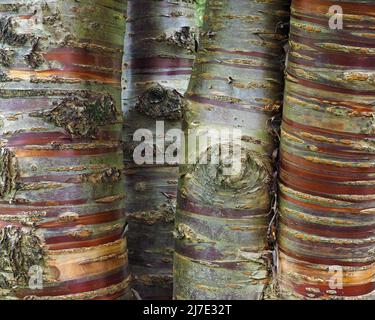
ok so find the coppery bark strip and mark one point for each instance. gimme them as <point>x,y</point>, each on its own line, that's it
<point>326,237</point>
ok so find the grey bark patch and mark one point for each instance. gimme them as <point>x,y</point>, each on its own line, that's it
<point>184,38</point>
<point>6,57</point>
<point>9,36</point>
<point>9,170</point>
<point>160,103</point>
<point>34,58</point>
<point>4,77</point>
<point>20,249</point>
<point>81,115</point>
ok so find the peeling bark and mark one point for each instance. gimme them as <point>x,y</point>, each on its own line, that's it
<point>81,116</point>
<point>8,35</point>
<point>326,237</point>
<point>160,44</point>
<point>6,57</point>
<point>20,250</point>
<point>185,38</point>
<point>10,174</point>
<point>222,221</point>
<point>35,57</point>
<point>61,161</point>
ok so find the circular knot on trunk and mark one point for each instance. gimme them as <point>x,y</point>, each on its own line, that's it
<point>160,103</point>
<point>231,180</point>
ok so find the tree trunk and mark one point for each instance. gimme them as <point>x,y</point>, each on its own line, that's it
<point>61,188</point>
<point>160,48</point>
<point>222,221</point>
<point>326,238</point>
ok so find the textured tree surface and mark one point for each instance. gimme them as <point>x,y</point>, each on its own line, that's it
<point>160,48</point>
<point>201,7</point>
<point>61,188</point>
<point>222,221</point>
<point>327,154</point>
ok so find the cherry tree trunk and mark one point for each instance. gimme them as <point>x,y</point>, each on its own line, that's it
<point>160,50</point>
<point>62,216</point>
<point>222,221</point>
<point>327,195</point>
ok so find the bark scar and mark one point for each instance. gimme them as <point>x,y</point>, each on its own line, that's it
<point>81,116</point>
<point>9,36</point>
<point>161,103</point>
<point>20,249</point>
<point>10,173</point>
